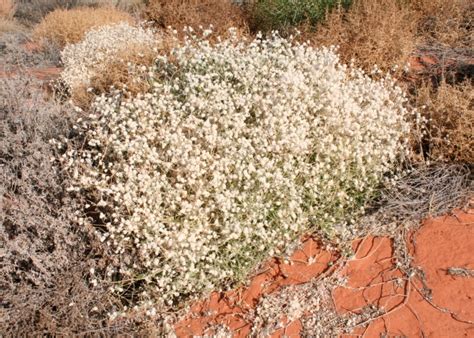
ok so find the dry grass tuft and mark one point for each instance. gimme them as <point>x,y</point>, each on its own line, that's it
<point>222,14</point>
<point>427,191</point>
<point>7,22</point>
<point>121,72</point>
<point>69,26</point>
<point>8,25</point>
<point>450,110</point>
<point>7,9</point>
<point>385,32</point>
<point>448,23</point>
<point>117,74</point>
<point>373,32</point>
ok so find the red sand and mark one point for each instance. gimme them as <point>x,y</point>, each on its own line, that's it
<point>440,244</point>
<point>229,308</point>
<point>43,74</point>
<point>373,278</point>
<point>428,65</point>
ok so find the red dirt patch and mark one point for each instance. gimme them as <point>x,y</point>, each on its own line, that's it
<point>230,308</point>
<point>439,64</point>
<point>372,277</point>
<point>32,47</point>
<point>44,74</point>
<point>433,302</point>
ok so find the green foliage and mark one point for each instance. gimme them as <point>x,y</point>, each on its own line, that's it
<point>267,15</point>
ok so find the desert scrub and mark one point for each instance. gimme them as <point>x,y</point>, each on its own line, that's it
<point>53,270</point>
<point>237,148</point>
<point>378,33</point>
<point>7,23</point>
<point>102,48</point>
<point>386,32</point>
<point>31,12</point>
<point>44,253</point>
<point>221,14</point>
<point>450,112</point>
<point>14,54</point>
<point>266,15</point>
<point>64,26</point>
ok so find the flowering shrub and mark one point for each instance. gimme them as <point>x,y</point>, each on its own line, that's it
<point>85,59</point>
<point>235,151</point>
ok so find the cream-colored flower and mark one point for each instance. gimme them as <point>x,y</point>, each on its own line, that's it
<point>236,150</point>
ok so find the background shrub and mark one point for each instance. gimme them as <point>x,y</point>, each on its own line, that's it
<point>69,26</point>
<point>222,14</point>
<point>370,32</point>
<point>233,153</point>
<point>385,32</point>
<point>267,15</point>
<point>450,110</point>
<point>390,33</point>
<point>15,54</point>
<point>7,9</point>
<point>45,255</point>
<point>108,56</point>
<point>31,12</point>
<point>448,24</point>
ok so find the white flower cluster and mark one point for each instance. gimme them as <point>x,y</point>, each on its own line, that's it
<point>82,60</point>
<point>236,150</point>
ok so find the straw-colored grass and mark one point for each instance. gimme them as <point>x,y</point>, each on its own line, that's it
<point>221,14</point>
<point>69,26</point>
<point>7,9</point>
<point>450,109</point>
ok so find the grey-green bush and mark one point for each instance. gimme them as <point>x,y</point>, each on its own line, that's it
<point>267,15</point>
<point>45,256</point>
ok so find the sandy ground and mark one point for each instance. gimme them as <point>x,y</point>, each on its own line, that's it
<point>44,74</point>
<point>437,302</point>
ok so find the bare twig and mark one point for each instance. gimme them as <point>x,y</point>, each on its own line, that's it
<point>460,272</point>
